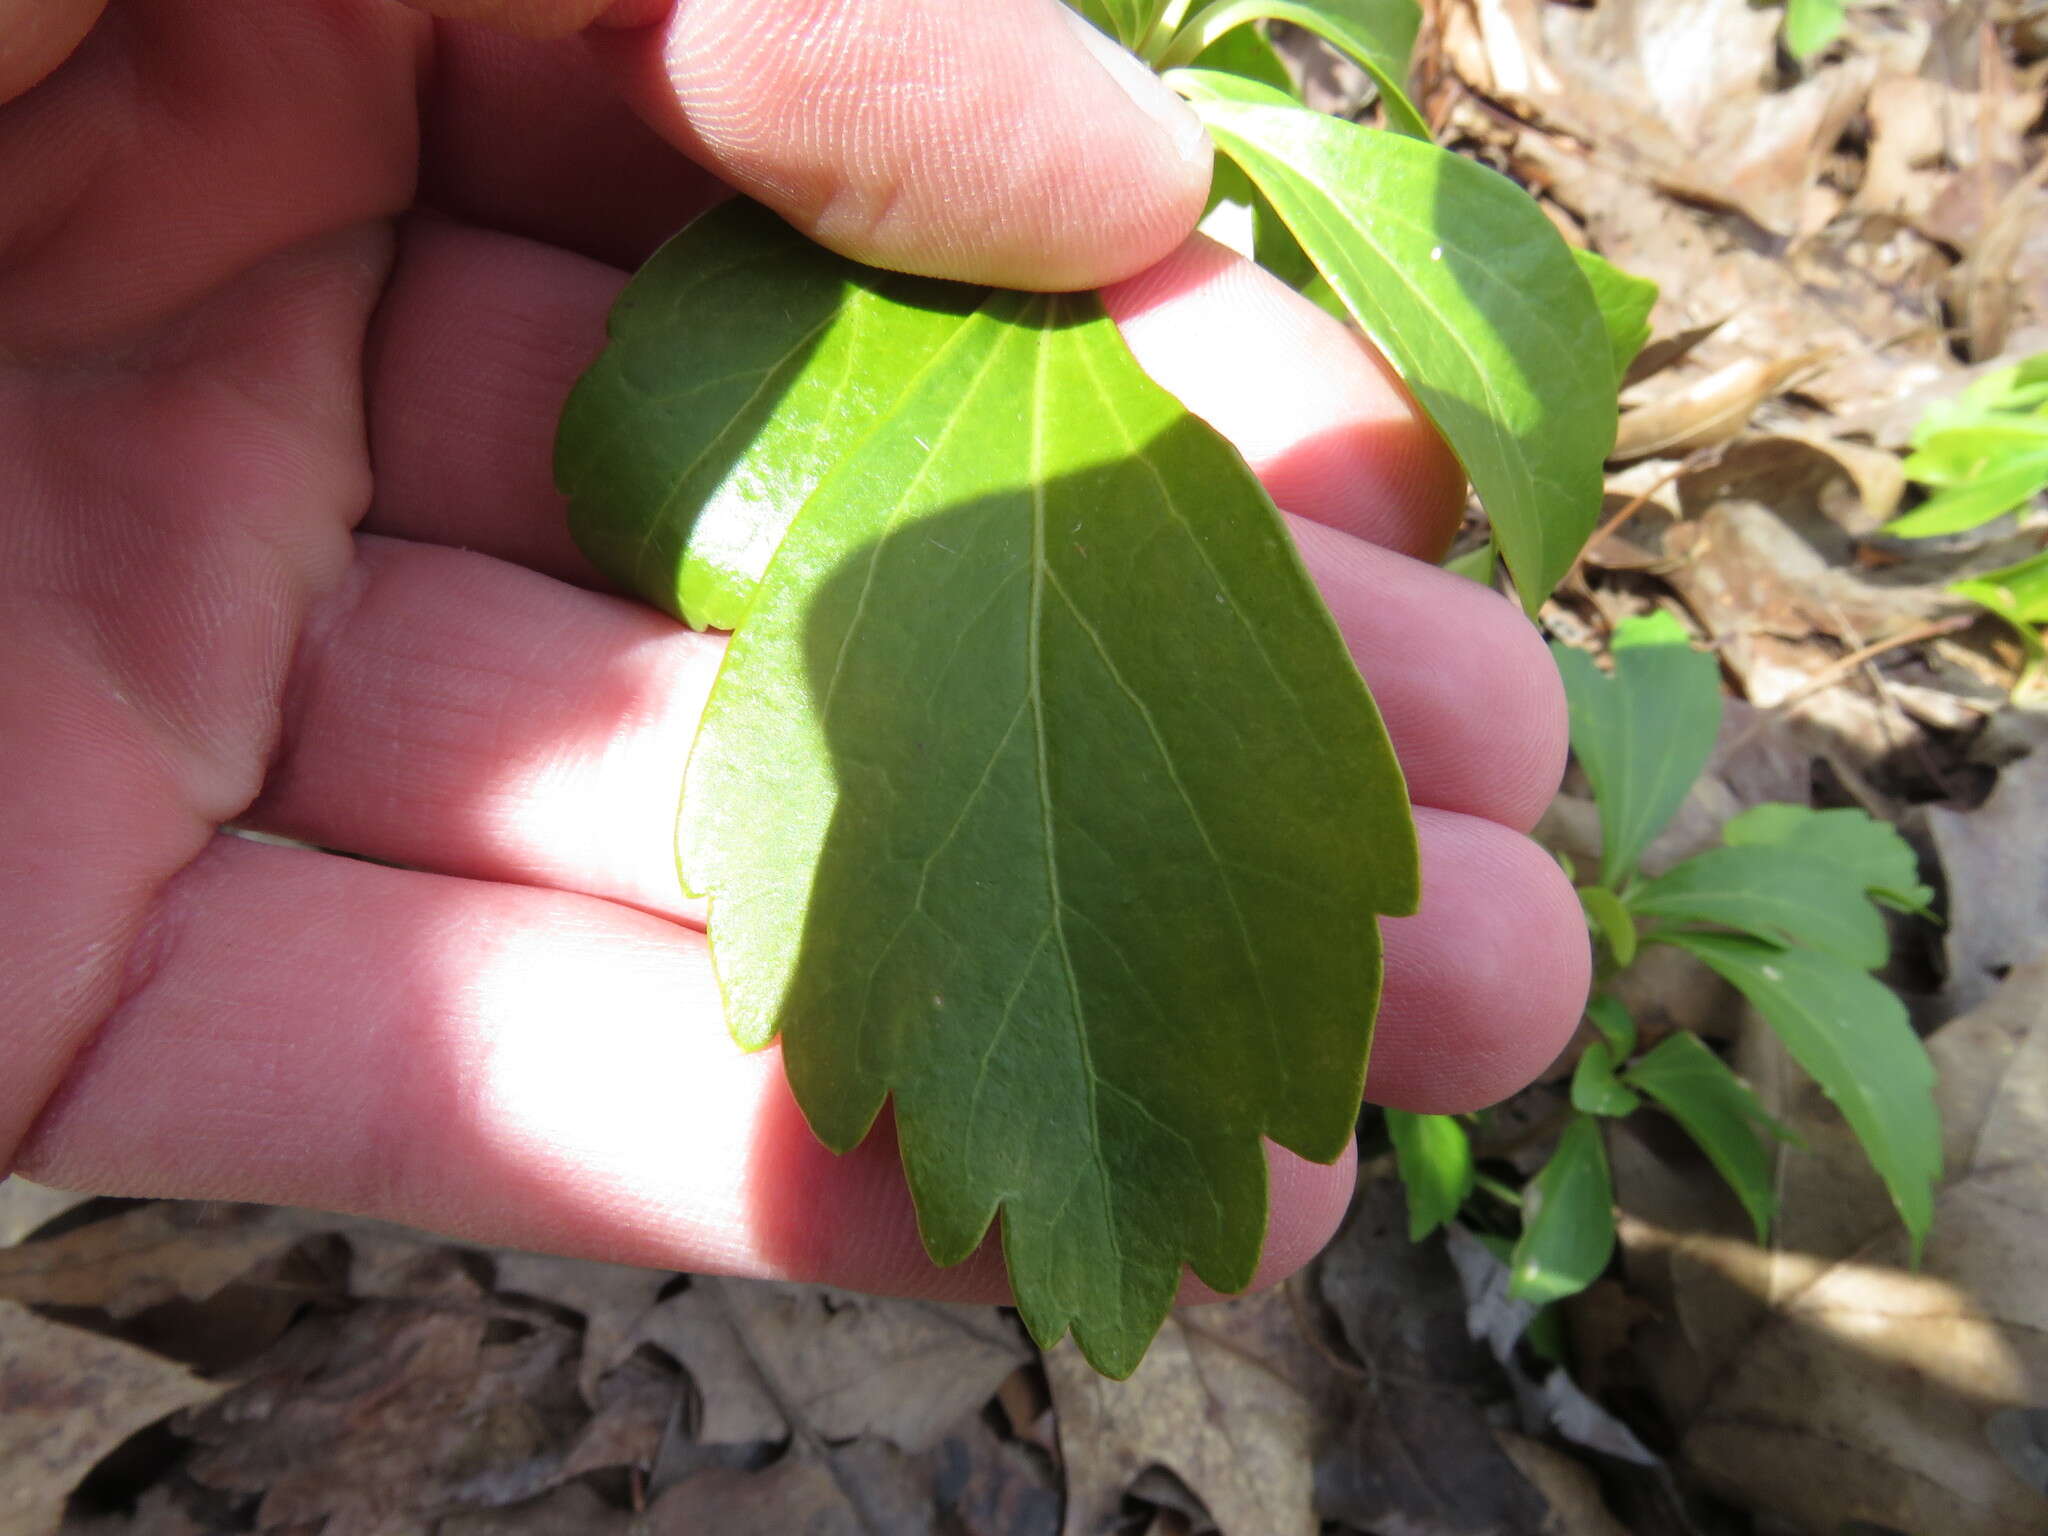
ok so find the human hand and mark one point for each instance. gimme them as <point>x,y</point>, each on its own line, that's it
<point>282,551</point>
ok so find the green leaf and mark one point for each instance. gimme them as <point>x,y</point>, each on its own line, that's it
<point>1957,455</point>
<point>1567,1220</point>
<point>2012,483</point>
<point>1434,1157</point>
<point>1457,276</point>
<point>1881,862</point>
<point>1720,1112</point>
<point>2019,595</point>
<point>1810,25</point>
<point>1611,921</point>
<point>1611,1018</point>
<point>1779,894</point>
<point>744,360</point>
<point>1040,792</point>
<point>1476,564</point>
<point>1625,302</point>
<point>2019,389</point>
<point>1643,734</point>
<point>1851,1035</point>
<point>1595,1088</point>
<point>1379,35</point>
<point>1130,22</point>
<point>1243,51</point>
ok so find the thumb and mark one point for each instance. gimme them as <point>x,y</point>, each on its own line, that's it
<point>38,35</point>
<point>998,141</point>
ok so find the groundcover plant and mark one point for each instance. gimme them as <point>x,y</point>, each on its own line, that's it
<point>1037,791</point>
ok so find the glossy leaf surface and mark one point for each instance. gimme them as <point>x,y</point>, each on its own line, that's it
<point>1721,1114</point>
<point>743,362</point>
<point>1434,1158</point>
<point>1378,35</point>
<point>1457,276</point>
<point>1642,732</point>
<point>1850,1032</point>
<point>1040,792</point>
<point>1567,1220</point>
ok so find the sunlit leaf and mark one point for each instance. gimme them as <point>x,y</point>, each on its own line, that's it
<point>1457,276</point>
<point>744,361</point>
<point>1850,1032</point>
<point>1810,25</point>
<point>1434,1158</point>
<point>1641,734</point>
<point>1130,22</point>
<point>1379,35</point>
<point>2008,484</point>
<point>1567,1219</point>
<point>1625,302</point>
<point>2019,595</point>
<point>1040,792</point>
<point>1720,1112</point>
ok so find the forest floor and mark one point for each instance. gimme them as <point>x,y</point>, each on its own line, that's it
<point>1838,246</point>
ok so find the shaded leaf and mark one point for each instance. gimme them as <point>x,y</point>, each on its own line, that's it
<point>67,1398</point>
<point>1434,1157</point>
<point>1041,792</point>
<point>1378,34</point>
<point>1625,302</point>
<point>1595,1088</point>
<point>1610,1016</point>
<point>1460,280</point>
<point>1611,921</point>
<point>1229,1425</point>
<point>1780,894</point>
<point>1720,1112</point>
<point>1851,1035</point>
<point>145,1256</point>
<point>845,1365</point>
<point>1642,733</point>
<point>1567,1219</point>
<point>1476,564</point>
<point>1873,853</point>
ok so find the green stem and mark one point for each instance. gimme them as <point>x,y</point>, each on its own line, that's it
<point>1498,1190</point>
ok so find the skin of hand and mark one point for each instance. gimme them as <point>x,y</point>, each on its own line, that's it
<point>291,292</point>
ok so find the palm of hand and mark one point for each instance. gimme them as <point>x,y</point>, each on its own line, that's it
<point>250,415</point>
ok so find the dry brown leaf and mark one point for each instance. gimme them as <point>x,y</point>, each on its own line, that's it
<point>67,1398</point>
<point>1707,411</point>
<point>1996,859</point>
<point>1235,1431</point>
<point>844,1364</point>
<point>144,1257</point>
<point>25,1207</point>
<point>1404,1439</point>
<point>1566,1483</point>
<point>571,1511</point>
<point>611,1297</point>
<point>373,1419</point>
<point>1826,1380</point>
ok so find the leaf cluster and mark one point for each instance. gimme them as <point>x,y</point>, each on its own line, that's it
<point>1984,454</point>
<point>1787,909</point>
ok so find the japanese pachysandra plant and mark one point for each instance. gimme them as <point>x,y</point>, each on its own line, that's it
<point>1037,792</point>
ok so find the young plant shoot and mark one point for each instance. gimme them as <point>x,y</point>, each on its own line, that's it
<point>1038,793</point>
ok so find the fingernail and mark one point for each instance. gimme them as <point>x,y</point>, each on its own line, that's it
<point>1183,129</point>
